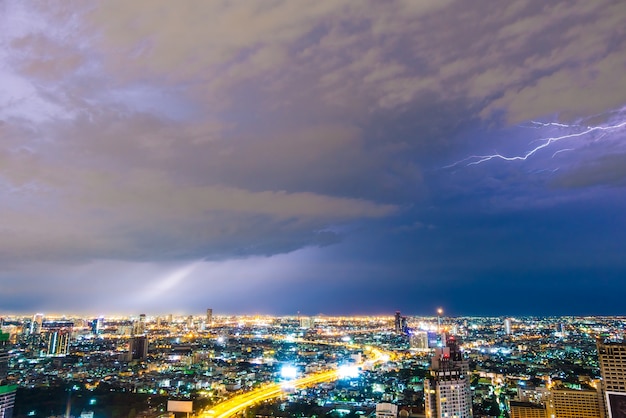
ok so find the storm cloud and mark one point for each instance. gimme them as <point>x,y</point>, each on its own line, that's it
<point>140,138</point>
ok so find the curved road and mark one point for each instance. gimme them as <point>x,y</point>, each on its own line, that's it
<point>271,391</point>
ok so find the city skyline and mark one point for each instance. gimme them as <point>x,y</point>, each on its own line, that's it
<point>467,367</point>
<point>334,157</point>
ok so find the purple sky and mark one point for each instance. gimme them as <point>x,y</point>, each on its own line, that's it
<point>322,157</point>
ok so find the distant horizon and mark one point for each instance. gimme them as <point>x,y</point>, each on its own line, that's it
<point>262,315</point>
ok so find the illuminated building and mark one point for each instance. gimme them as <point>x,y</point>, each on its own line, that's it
<point>527,410</point>
<point>7,391</point>
<point>35,325</point>
<point>571,403</point>
<point>56,338</point>
<point>96,325</point>
<point>612,359</point>
<point>419,340</point>
<point>138,348</point>
<point>507,326</point>
<point>537,395</point>
<point>139,327</point>
<point>209,316</point>
<point>386,410</point>
<point>398,322</point>
<point>447,391</point>
<point>404,326</point>
<point>306,322</point>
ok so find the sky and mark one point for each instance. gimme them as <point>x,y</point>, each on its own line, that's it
<point>336,157</point>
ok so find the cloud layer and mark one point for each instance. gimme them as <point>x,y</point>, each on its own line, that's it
<point>161,132</point>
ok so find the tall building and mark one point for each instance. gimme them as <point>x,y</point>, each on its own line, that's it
<point>35,325</point>
<point>138,348</point>
<point>520,409</point>
<point>139,327</point>
<point>507,326</point>
<point>56,338</point>
<point>306,322</point>
<point>612,359</point>
<point>404,325</point>
<point>572,403</point>
<point>537,395</point>
<point>447,391</point>
<point>419,340</point>
<point>96,325</point>
<point>397,322</point>
<point>209,316</point>
<point>7,391</point>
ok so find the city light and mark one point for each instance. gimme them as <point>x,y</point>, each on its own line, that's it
<point>349,371</point>
<point>242,374</point>
<point>288,372</point>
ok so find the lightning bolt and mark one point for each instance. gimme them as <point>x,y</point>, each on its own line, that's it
<point>560,125</point>
<point>544,143</point>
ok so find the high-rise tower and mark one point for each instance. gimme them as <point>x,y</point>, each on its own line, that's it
<point>397,322</point>
<point>447,391</point>
<point>7,391</point>
<point>35,324</point>
<point>56,337</point>
<point>138,348</point>
<point>507,326</point>
<point>612,359</point>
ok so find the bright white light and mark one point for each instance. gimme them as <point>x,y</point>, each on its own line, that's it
<point>288,372</point>
<point>345,339</point>
<point>348,371</point>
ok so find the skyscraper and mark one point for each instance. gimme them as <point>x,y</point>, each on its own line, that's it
<point>209,316</point>
<point>507,326</point>
<point>398,322</point>
<point>138,348</point>
<point>527,410</point>
<point>571,403</point>
<point>612,359</point>
<point>419,340</point>
<point>7,391</point>
<point>140,326</point>
<point>35,325</point>
<point>56,338</point>
<point>447,391</point>
<point>306,322</point>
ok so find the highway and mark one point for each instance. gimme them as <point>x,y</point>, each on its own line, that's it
<point>238,403</point>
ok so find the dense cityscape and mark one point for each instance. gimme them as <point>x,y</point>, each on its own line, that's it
<point>260,366</point>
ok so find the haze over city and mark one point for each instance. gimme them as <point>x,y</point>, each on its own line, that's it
<point>320,157</point>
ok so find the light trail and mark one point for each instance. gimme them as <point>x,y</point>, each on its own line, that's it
<point>238,403</point>
<point>545,142</point>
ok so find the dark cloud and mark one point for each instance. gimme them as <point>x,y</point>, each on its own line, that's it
<point>249,140</point>
<point>607,170</point>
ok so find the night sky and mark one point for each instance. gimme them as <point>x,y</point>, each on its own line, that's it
<point>324,157</point>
